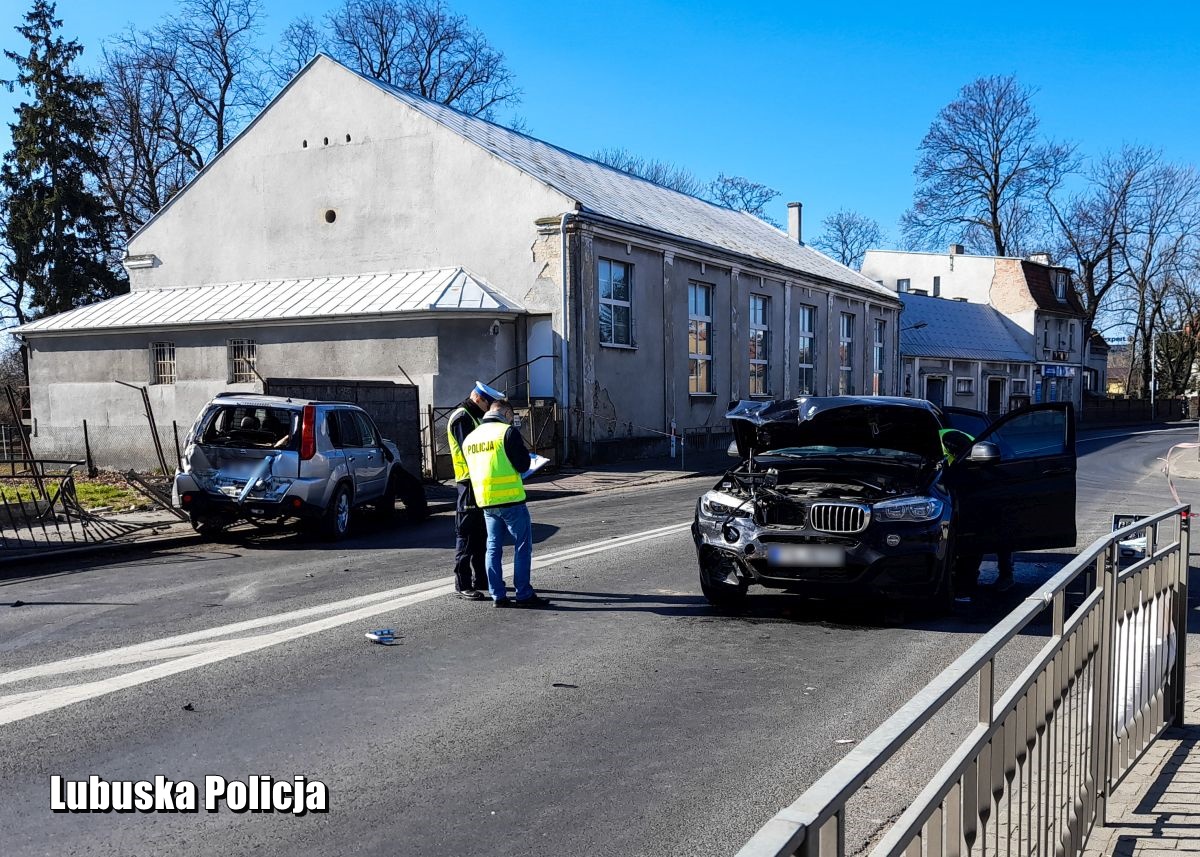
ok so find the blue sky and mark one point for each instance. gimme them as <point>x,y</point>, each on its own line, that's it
<point>825,102</point>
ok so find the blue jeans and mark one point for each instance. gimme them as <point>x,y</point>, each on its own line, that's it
<point>515,521</point>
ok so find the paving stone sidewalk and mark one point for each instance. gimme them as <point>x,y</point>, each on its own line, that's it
<point>1156,809</point>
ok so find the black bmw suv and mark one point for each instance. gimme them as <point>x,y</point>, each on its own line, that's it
<point>857,495</point>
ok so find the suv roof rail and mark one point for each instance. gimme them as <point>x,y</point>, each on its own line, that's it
<point>233,394</point>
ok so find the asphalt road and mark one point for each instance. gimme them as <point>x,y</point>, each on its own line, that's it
<point>627,719</point>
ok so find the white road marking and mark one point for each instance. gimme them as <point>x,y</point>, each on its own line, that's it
<point>184,652</point>
<point>1079,440</point>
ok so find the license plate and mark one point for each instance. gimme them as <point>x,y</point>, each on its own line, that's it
<point>826,556</point>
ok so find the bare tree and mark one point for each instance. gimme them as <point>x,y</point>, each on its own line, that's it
<point>847,236</point>
<point>174,97</point>
<point>1158,247</point>
<point>144,166</point>
<point>983,171</point>
<point>301,41</point>
<point>742,194</point>
<point>423,47</point>
<point>1091,225</point>
<point>663,173</point>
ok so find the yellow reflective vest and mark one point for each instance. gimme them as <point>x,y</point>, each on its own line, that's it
<point>456,453</point>
<point>493,478</point>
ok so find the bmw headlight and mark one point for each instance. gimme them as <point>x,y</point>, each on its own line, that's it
<point>722,505</point>
<point>909,509</point>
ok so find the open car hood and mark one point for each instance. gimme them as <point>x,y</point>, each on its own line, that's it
<point>909,425</point>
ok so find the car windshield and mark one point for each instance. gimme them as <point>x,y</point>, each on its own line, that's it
<point>251,426</point>
<point>846,453</point>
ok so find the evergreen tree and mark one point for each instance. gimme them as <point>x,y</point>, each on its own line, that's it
<point>56,229</point>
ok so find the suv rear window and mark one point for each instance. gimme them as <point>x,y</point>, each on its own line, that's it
<point>253,426</point>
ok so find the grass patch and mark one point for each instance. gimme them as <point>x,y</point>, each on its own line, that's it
<point>91,494</point>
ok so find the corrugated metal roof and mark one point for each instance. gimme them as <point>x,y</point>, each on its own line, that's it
<point>443,290</point>
<point>958,330</point>
<point>608,192</point>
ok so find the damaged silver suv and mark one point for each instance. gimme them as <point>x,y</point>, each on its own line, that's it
<point>268,458</point>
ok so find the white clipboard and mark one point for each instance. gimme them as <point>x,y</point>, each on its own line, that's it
<point>536,463</point>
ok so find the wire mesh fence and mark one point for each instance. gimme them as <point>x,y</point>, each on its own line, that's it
<point>120,447</point>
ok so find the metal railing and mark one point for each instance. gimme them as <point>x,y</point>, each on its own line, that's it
<point>1033,776</point>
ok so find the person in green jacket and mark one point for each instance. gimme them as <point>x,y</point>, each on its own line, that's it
<point>956,444</point>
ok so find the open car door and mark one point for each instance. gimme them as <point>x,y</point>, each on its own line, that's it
<point>1025,498</point>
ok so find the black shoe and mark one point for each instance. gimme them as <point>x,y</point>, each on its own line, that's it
<point>470,595</point>
<point>482,587</point>
<point>501,602</point>
<point>532,601</point>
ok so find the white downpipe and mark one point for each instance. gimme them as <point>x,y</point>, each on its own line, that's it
<point>564,338</point>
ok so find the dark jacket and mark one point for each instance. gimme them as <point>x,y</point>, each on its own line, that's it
<point>514,445</point>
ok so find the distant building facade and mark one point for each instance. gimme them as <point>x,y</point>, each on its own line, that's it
<point>1032,293</point>
<point>357,231</point>
<point>961,354</point>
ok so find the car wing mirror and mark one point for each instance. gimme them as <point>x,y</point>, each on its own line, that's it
<point>984,453</point>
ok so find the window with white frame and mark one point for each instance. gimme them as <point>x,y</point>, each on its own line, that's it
<point>162,363</point>
<point>806,353</point>
<point>1020,386</point>
<point>760,345</point>
<point>1071,336</point>
<point>903,285</point>
<point>937,287</point>
<point>964,386</point>
<point>1060,285</point>
<point>700,338</point>
<point>616,303</point>
<point>846,355</point>
<point>242,354</point>
<point>878,382</point>
<point>1046,333</point>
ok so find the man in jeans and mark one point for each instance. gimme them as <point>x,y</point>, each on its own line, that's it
<point>496,457</point>
<point>470,532</point>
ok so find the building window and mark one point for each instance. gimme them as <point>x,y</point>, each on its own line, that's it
<point>1060,285</point>
<point>937,287</point>
<point>616,303</point>
<point>846,356</point>
<point>806,355</point>
<point>1019,387</point>
<point>242,354</point>
<point>878,385</point>
<point>1046,334</point>
<point>1071,336</point>
<point>700,338</point>
<point>162,362</point>
<point>760,345</point>
<point>964,386</point>
<point>903,285</point>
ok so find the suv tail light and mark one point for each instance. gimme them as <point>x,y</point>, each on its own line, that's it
<point>308,433</point>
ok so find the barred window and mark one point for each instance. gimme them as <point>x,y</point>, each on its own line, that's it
<point>162,362</point>
<point>699,338</point>
<point>846,356</point>
<point>760,345</point>
<point>807,357</point>
<point>242,354</point>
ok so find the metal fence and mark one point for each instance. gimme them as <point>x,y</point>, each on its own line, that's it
<point>115,447</point>
<point>538,425</point>
<point>1033,775</point>
<point>40,511</point>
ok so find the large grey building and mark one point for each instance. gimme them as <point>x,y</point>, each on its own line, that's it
<point>355,230</point>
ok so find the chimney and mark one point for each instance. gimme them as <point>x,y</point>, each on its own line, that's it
<point>794,209</point>
<point>956,249</point>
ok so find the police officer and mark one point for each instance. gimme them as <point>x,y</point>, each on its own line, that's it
<point>470,534</point>
<point>496,457</point>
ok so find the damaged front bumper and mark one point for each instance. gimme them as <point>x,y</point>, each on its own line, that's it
<point>887,558</point>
